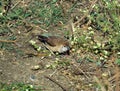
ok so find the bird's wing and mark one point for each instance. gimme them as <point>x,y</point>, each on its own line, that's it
<point>53,40</point>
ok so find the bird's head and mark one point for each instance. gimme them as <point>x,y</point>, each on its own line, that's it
<point>64,48</point>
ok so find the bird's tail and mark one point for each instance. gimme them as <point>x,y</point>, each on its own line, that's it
<point>42,38</point>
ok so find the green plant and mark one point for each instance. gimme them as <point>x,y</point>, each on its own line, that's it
<point>105,18</point>
<point>117,62</point>
<point>46,12</point>
<point>18,87</point>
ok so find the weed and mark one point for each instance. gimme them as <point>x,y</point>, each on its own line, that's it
<point>105,21</point>
<point>47,13</point>
<point>18,87</point>
<point>117,62</point>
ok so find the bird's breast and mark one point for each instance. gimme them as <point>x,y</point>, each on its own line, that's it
<point>59,48</point>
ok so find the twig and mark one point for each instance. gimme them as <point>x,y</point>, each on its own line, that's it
<point>8,41</point>
<point>55,71</point>
<point>117,88</point>
<point>34,54</point>
<point>51,79</point>
<point>48,49</point>
<point>16,4</point>
<point>71,29</point>
<point>80,70</point>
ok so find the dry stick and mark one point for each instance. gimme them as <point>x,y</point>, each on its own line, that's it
<point>91,8</point>
<point>117,88</point>
<point>48,49</point>
<point>111,79</point>
<point>71,29</point>
<point>63,88</point>
<point>55,71</point>
<point>81,71</point>
<point>8,41</point>
<point>16,4</point>
<point>34,54</point>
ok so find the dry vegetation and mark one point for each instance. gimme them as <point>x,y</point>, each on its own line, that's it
<point>91,26</point>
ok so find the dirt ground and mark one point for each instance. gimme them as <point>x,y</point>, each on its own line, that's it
<point>74,72</point>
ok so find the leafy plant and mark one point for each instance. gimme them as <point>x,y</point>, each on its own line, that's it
<point>47,12</point>
<point>117,62</point>
<point>18,87</point>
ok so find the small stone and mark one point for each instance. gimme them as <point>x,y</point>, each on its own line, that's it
<point>105,74</point>
<point>36,67</point>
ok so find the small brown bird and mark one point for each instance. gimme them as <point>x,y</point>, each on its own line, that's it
<point>55,43</point>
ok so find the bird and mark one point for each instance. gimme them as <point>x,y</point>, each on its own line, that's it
<point>55,43</point>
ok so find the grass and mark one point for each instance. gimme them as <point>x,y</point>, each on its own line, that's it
<point>18,87</point>
<point>104,20</point>
<point>47,13</point>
